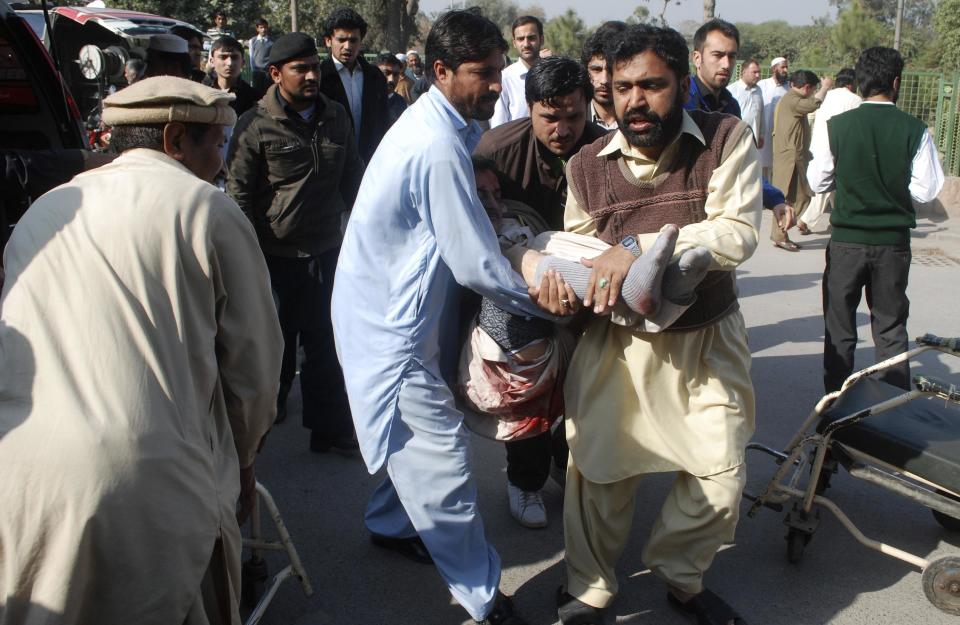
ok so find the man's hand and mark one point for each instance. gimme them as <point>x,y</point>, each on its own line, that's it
<point>545,52</point>
<point>248,494</point>
<point>609,270</point>
<point>555,296</point>
<point>784,215</point>
<point>826,83</point>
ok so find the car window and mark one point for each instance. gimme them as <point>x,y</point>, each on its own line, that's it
<point>16,92</point>
<point>36,21</point>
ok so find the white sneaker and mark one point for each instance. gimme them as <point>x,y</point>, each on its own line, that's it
<point>526,507</point>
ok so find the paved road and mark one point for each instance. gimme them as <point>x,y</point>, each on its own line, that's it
<point>838,582</point>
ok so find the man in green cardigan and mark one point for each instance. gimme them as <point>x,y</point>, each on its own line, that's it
<point>880,160</point>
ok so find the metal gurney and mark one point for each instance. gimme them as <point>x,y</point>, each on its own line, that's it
<point>907,442</point>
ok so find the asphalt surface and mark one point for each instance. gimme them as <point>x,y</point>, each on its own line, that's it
<point>322,496</point>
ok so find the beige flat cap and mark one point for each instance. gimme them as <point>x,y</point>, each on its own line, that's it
<point>164,99</point>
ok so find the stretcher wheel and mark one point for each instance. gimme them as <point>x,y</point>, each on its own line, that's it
<point>946,521</point>
<point>941,584</point>
<point>796,544</point>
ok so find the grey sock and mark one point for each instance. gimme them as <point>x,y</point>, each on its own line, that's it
<point>641,287</point>
<point>574,274</point>
<point>682,276</point>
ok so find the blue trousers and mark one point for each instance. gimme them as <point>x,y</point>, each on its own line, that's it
<point>430,492</point>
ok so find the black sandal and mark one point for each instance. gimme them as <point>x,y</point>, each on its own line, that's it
<point>707,608</point>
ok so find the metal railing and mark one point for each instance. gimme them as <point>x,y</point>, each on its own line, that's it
<point>933,97</point>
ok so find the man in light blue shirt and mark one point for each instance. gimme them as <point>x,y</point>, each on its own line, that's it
<point>404,259</point>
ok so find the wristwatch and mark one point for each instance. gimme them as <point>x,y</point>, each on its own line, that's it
<point>630,242</point>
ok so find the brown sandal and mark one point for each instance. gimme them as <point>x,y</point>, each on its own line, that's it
<point>788,245</point>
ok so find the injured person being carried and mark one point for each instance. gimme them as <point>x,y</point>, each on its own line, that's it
<point>512,367</point>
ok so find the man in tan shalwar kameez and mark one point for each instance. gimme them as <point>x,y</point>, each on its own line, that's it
<point>140,352</point>
<point>791,147</point>
<point>679,401</point>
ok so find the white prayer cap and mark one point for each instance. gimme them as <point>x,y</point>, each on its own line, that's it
<point>165,42</point>
<point>400,56</point>
<point>777,61</point>
<point>409,52</point>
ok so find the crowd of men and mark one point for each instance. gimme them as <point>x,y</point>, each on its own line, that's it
<point>156,310</point>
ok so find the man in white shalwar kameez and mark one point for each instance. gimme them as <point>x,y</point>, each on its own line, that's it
<point>140,352</point>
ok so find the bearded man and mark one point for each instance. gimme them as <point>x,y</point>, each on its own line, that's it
<point>664,166</point>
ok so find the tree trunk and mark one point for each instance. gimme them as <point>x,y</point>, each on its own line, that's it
<point>394,9</point>
<point>709,9</point>
<point>293,16</point>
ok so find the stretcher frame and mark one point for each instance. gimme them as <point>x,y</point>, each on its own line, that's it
<point>809,447</point>
<point>257,545</point>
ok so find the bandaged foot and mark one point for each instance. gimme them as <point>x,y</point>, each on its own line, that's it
<point>641,288</point>
<point>683,275</point>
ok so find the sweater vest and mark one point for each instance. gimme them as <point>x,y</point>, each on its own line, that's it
<point>873,148</point>
<point>623,205</point>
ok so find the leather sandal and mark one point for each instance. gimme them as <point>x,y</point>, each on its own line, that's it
<point>788,245</point>
<point>706,608</point>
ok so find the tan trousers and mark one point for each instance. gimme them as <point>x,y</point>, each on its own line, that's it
<point>798,196</point>
<point>698,517</point>
<point>817,207</point>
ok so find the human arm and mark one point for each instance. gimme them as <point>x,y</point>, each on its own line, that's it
<point>465,238</point>
<point>248,343</point>
<point>501,110</point>
<point>245,166</point>
<point>820,169</point>
<point>926,175</point>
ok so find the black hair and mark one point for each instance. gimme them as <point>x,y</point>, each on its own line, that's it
<point>186,33</point>
<point>218,11</point>
<point>523,20</point>
<point>555,77</point>
<point>347,19</point>
<point>748,62</point>
<point>389,59</point>
<point>666,43</point>
<point>482,163</point>
<point>877,69</point>
<point>128,137</point>
<point>261,22</point>
<point>846,77</point>
<point>461,36</point>
<point>803,77</point>
<point>593,46</point>
<point>168,63</point>
<point>728,29</point>
<point>226,43</point>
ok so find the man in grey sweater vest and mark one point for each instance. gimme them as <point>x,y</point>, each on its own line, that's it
<point>880,160</point>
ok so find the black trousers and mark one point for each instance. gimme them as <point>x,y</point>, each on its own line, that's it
<point>302,289</point>
<point>528,461</point>
<point>881,271</point>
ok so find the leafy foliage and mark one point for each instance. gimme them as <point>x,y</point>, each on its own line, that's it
<point>946,21</point>
<point>565,34</point>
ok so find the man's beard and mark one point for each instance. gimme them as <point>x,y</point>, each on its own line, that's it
<point>484,108</point>
<point>663,129</point>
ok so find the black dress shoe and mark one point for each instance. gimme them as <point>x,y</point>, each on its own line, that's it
<point>502,613</point>
<point>572,611</point>
<point>321,444</point>
<point>411,548</point>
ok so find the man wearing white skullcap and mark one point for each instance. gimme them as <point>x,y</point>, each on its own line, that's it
<point>773,89</point>
<point>140,352</point>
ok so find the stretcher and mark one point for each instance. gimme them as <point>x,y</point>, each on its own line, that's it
<point>257,590</point>
<point>907,442</point>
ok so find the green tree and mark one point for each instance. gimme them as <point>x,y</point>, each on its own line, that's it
<point>640,15</point>
<point>565,34</point>
<point>241,13</point>
<point>855,31</point>
<point>946,22</point>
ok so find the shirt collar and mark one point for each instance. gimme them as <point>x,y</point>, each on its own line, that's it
<point>341,67</point>
<point>469,131</point>
<point>619,142</point>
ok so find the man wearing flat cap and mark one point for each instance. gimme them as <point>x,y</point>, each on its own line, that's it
<point>294,169</point>
<point>140,350</point>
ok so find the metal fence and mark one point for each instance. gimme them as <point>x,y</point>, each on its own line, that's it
<point>932,96</point>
